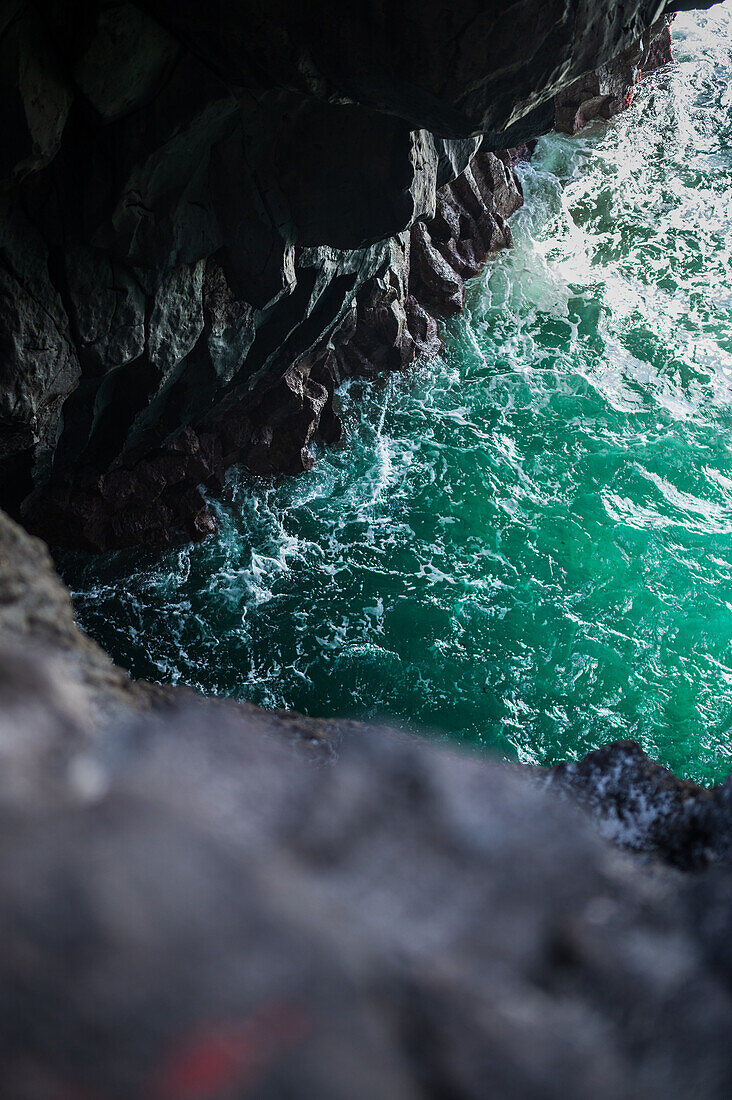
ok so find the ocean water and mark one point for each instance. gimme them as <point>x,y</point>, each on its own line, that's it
<point>527,542</point>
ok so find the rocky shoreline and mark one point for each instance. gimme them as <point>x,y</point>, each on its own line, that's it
<point>196,251</point>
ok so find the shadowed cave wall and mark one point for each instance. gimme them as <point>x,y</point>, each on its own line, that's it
<point>212,214</point>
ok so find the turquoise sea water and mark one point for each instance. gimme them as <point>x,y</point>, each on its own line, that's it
<point>526,543</point>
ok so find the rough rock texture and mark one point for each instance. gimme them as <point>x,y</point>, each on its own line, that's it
<point>201,202</point>
<point>469,224</point>
<point>152,491</point>
<point>193,910</point>
<point>610,89</point>
<point>643,807</point>
<point>36,611</point>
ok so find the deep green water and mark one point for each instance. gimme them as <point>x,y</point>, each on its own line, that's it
<point>528,542</point>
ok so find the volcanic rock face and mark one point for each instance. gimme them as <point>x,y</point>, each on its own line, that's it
<point>207,219</point>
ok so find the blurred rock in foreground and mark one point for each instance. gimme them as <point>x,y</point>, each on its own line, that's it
<point>206,901</point>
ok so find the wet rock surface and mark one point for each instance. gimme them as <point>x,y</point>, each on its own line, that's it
<point>210,216</point>
<point>609,90</point>
<point>642,806</point>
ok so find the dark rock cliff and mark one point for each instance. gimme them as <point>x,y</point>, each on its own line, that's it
<point>205,223</point>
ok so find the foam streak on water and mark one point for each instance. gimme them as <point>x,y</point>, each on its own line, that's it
<point>528,542</point>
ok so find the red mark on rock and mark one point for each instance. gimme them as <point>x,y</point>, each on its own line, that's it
<point>214,1058</point>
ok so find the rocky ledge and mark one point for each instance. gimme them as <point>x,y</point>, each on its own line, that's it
<point>206,901</point>
<point>209,215</point>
